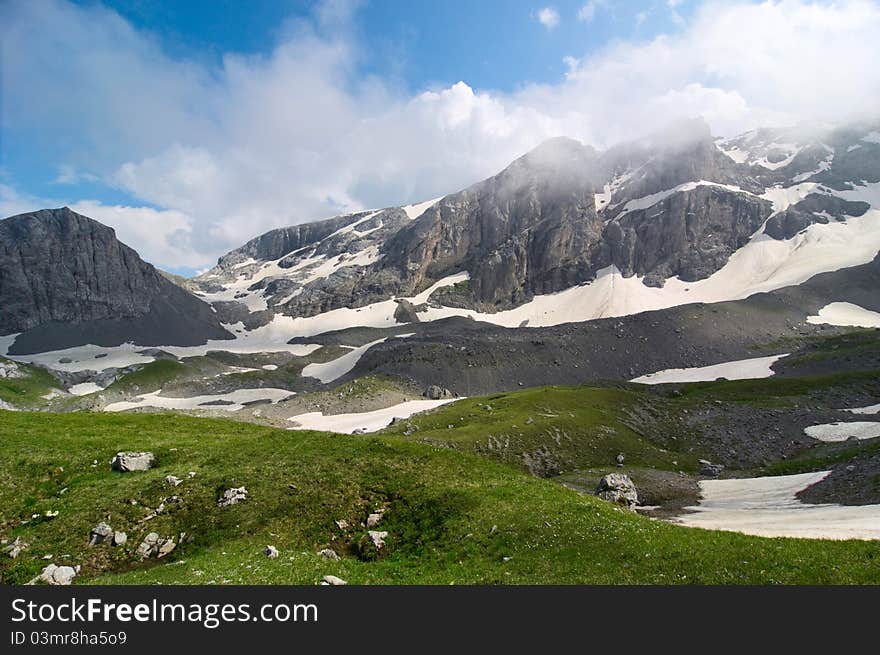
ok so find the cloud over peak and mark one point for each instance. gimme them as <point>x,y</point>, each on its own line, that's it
<point>224,151</point>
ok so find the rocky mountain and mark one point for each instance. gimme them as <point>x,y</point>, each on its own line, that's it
<point>676,206</point>
<point>66,280</point>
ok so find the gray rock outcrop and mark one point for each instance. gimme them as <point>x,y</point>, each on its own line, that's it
<point>133,461</point>
<point>618,488</point>
<point>100,533</point>
<point>57,575</point>
<point>65,280</point>
<point>232,497</point>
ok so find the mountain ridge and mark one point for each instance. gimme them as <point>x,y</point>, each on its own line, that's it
<point>65,277</point>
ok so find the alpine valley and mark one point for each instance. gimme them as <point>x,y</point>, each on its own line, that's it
<point>685,326</point>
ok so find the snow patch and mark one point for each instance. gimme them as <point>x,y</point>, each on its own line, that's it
<point>84,389</point>
<point>237,400</point>
<point>336,368</point>
<point>845,314</point>
<point>743,369</point>
<point>769,507</point>
<point>414,211</point>
<point>650,200</point>
<point>364,421</point>
<point>870,409</point>
<point>842,431</point>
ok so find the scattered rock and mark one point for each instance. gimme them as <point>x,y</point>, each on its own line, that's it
<point>149,546</point>
<point>11,371</point>
<point>232,497</point>
<point>14,549</point>
<point>100,533</point>
<point>333,581</point>
<point>621,458</point>
<point>329,553</point>
<point>342,524</point>
<point>167,546</point>
<point>172,480</point>
<point>378,538</point>
<point>374,518</point>
<point>434,392</point>
<point>405,312</point>
<point>119,538</point>
<point>709,469</point>
<point>271,552</point>
<point>133,461</point>
<point>618,488</point>
<point>57,575</point>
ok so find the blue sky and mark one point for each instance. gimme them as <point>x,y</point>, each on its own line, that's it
<point>493,44</point>
<point>192,126</point>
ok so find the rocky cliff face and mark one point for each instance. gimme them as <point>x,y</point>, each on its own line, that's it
<point>62,273</point>
<point>678,204</point>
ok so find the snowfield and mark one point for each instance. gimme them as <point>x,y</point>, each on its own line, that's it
<point>270,338</point>
<point>870,409</point>
<point>229,402</point>
<point>842,431</point>
<point>335,369</point>
<point>364,421</point>
<point>742,369</point>
<point>84,388</point>
<point>768,507</point>
<point>846,314</point>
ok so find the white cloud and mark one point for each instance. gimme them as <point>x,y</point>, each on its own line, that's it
<point>226,152</point>
<point>548,17</point>
<point>588,10</point>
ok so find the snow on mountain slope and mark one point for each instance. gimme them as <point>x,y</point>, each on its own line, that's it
<point>848,314</point>
<point>564,234</point>
<point>769,507</point>
<point>743,369</point>
<point>364,421</point>
<point>228,402</point>
<point>335,369</point>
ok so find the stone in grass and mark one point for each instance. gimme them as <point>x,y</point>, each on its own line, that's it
<point>133,461</point>
<point>166,547</point>
<point>374,518</point>
<point>14,549</point>
<point>149,546</point>
<point>618,488</point>
<point>232,497</point>
<point>173,480</point>
<point>100,533</point>
<point>271,552</point>
<point>329,553</point>
<point>332,580</point>
<point>56,575</point>
<point>378,538</point>
<point>119,538</point>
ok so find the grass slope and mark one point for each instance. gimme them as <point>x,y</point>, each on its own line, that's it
<point>26,391</point>
<point>452,517</point>
<point>549,430</point>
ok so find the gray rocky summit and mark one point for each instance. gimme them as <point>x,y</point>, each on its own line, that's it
<point>65,280</point>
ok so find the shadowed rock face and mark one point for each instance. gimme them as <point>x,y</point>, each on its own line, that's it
<point>690,235</point>
<point>61,272</point>
<point>527,230</point>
